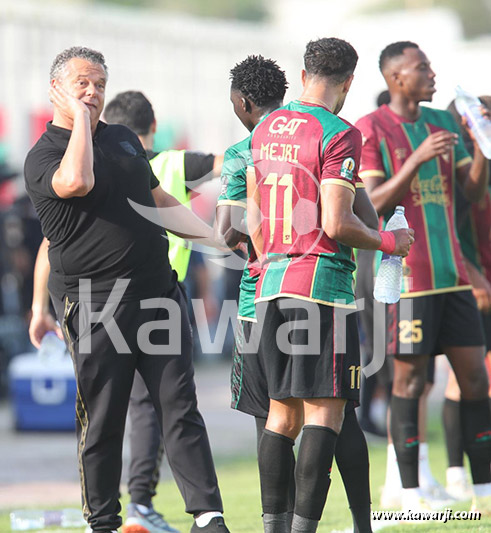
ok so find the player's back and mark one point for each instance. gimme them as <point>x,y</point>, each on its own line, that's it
<point>294,150</point>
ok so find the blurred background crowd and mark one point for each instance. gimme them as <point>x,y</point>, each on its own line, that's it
<point>179,54</point>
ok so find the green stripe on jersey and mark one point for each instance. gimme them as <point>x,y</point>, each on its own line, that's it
<point>435,214</point>
<point>247,295</point>
<point>331,283</point>
<point>272,278</point>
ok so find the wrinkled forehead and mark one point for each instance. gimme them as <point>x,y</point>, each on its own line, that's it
<point>78,67</point>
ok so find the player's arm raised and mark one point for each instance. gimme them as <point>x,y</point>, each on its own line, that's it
<point>474,177</point>
<point>386,194</point>
<point>75,176</point>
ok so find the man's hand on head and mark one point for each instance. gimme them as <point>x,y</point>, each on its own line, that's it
<point>66,103</point>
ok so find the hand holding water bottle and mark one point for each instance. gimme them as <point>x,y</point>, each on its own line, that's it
<point>398,239</point>
<point>404,238</point>
<point>41,323</point>
<point>52,349</point>
<point>476,118</point>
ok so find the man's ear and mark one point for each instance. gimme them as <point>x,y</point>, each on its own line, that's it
<point>153,126</point>
<point>394,77</point>
<point>347,83</point>
<point>304,77</point>
<point>246,104</point>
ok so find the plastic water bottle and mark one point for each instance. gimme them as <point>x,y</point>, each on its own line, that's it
<point>389,277</point>
<point>469,106</point>
<point>28,519</point>
<point>52,349</point>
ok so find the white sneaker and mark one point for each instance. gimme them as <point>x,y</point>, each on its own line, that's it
<point>414,500</point>
<point>481,504</point>
<point>391,497</point>
<point>458,484</point>
<point>482,499</point>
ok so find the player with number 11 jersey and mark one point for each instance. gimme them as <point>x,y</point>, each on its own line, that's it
<point>303,145</point>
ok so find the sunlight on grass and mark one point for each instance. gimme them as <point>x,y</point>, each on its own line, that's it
<point>239,484</point>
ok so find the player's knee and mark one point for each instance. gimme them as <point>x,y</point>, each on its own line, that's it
<point>410,386</point>
<point>475,386</point>
<point>288,426</point>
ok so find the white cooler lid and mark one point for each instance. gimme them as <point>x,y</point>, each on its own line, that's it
<point>27,366</point>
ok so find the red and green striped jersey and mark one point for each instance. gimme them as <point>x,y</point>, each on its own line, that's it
<point>475,234</point>
<point>295,150</point>
<point>234,192</point>
<point>435,263</point>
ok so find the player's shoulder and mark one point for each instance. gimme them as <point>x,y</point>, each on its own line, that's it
<point>236,158</point>
<point>238,149</point>
<point>238,155</point>
<point>371,119</point>
<point>439,117</point>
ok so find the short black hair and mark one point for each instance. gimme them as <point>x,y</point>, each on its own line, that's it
<point>331,58</point>
<point>394,50</point>
<point>259,79</point>
<point>131,108</point>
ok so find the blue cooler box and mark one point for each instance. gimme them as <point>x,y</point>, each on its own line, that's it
<point>43,393</point>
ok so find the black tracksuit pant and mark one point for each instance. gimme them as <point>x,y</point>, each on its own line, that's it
<point>104,381</point>
<point>146,446</point>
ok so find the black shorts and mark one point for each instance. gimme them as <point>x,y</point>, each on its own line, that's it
<point>486,324</point>
<point>248,379</point>
<point>435,322</point>
<point>318,357</point>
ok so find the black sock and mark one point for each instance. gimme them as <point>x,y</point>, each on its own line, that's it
<point>352,460</point>
<point>404,428</point>
<point>368,386</point>
<point>453,432</point>
<point>274,459</point>
<point>476,431</point>
<point>260,425</point>
<point>312,473</point>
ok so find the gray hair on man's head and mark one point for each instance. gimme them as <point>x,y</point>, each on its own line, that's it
<point>80,52</point>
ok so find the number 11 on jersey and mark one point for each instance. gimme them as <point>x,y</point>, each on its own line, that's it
<point>286,217</point>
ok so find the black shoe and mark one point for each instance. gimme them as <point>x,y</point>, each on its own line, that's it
<point>216,525</point>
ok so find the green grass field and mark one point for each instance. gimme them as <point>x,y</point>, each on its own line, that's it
<point>240,489</point>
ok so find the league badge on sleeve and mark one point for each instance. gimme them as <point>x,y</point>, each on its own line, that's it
<point>347,168</point>
<point>224,188</point>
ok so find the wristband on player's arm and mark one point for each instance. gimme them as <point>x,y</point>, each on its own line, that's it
<point>388,244</point>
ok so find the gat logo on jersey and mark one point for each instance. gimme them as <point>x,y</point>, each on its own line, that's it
<point>282,125</point>
<point>347,168</point>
